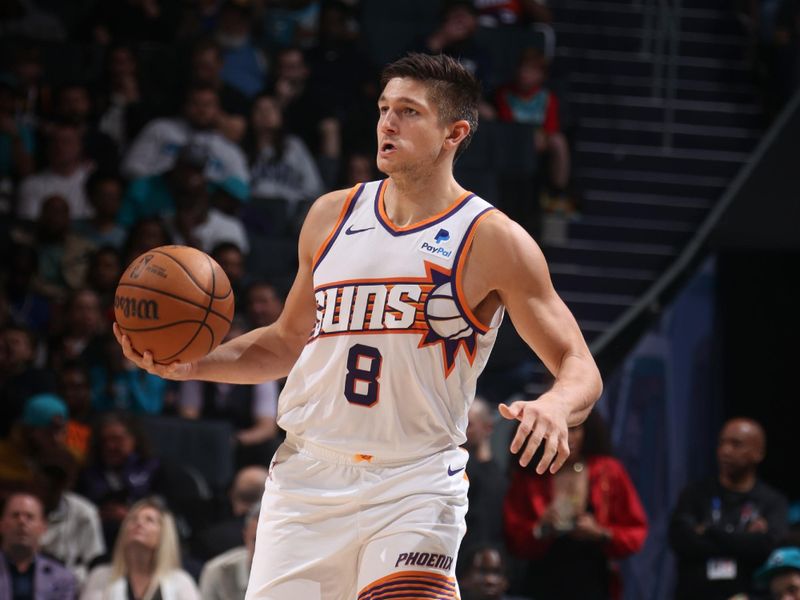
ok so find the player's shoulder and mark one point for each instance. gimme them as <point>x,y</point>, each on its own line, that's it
<point>323,216</point>
<point>327,209</point>
<point>497,233</point>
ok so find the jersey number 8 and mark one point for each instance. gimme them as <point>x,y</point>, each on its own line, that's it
<point>361,385</point>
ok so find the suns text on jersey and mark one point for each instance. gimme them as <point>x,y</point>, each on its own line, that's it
<point>371,307</point>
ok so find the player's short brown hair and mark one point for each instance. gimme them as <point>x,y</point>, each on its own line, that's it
<point>453,89</point>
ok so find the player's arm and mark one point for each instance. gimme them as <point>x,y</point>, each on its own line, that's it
<point>269,352</point>
<point>512,268</point>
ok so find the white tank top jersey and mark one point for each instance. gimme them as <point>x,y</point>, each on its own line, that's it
<point>390,369</point>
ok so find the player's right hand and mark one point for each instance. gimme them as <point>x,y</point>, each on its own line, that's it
<point>178,371</point>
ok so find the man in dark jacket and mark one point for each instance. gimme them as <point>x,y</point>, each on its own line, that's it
<point>24,573</point>
<point>723,528</point>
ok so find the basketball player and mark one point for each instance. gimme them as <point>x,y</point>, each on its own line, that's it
<point>401,287</point>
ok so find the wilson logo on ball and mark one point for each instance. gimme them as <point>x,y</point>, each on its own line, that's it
<point>138,308</point>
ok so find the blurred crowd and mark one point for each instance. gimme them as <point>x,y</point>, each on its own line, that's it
<point>132,124</point>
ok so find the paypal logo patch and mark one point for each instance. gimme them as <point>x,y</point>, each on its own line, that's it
<point>435,248</point>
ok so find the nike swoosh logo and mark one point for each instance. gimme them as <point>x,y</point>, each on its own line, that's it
<point>351,231</point>
<point>451,472</point>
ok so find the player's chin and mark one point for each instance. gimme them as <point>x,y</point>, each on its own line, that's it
<point>387,163</point>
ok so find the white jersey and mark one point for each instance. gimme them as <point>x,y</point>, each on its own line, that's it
<point>391,366</point>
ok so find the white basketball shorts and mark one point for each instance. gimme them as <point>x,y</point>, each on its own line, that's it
<point>347,527</point>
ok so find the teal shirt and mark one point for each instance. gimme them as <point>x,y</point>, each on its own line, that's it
<point>145,197</point>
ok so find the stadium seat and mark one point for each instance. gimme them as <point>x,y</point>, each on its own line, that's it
<point>204,447</point>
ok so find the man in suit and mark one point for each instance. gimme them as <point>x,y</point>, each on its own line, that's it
<point>25,574</point>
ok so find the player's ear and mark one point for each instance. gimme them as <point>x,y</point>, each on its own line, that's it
<point>458,131</point>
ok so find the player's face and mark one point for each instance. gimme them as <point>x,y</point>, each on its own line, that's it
<point>410,135</point>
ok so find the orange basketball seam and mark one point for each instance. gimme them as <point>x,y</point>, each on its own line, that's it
<point>192,339</point>
<point>191,276</point>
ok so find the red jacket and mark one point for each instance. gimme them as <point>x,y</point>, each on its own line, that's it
<point>614,500</point>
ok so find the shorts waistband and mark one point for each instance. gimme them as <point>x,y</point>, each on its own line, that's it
<point>322,453</point>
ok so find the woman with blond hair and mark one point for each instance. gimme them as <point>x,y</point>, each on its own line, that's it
<point>146,560</point>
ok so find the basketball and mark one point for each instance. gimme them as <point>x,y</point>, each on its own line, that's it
<point>174,301</point>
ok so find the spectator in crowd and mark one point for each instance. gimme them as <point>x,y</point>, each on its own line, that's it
<point>82,334</point>
<point>199,19</point>
<point>781,574</point>
<point>263,304</point>
<point>157,146</point>
<point>251,409</point>
<point>231,259</point>
<point>146,561</point>
<point>723,528</point>
<point>455,36</point>
<point>63,256</point>
<point>73,104</point>
<point>528,100</point>
<point>35,92</point>
<point>121,470</point>
<point>244,66</point>
<point>291,23</point>
<point>482,573</point>
<point>39,431</point>
<point>576,521</point>
<point>246,490</point>
<point>105,269</point>
<point>281,167</point>
<point>155,195</point>
<point>26,305</point>
<point>492,13</point>
<point>342,73</point>
<point>19,377</point>
<point>73,535</point>
<point>206,69</point>
<point>75,390</point>
<point>117,386</point>
<point>104,191</point>
<point>125,104</point>
<point>226,575</point>
<point>196,223</point>
<point>17,138</point>
<point>305,113</point>
<point>24,571</point>
<point>487,482</point>
<point>358,166</point>
<point>65,175</point>
<point>145,234</point>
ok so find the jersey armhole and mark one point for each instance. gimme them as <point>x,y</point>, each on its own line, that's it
<point>347,208</point>
<point>460,260</point>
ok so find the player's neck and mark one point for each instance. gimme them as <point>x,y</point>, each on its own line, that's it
<point>413,198</point>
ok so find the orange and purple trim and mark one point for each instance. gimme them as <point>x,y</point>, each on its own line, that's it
<point>411,585</point>
<point>383,218</point>
<point>347,208</point>
<point>458,268</point>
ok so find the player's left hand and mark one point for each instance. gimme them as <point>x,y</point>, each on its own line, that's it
<point>541,420</point>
